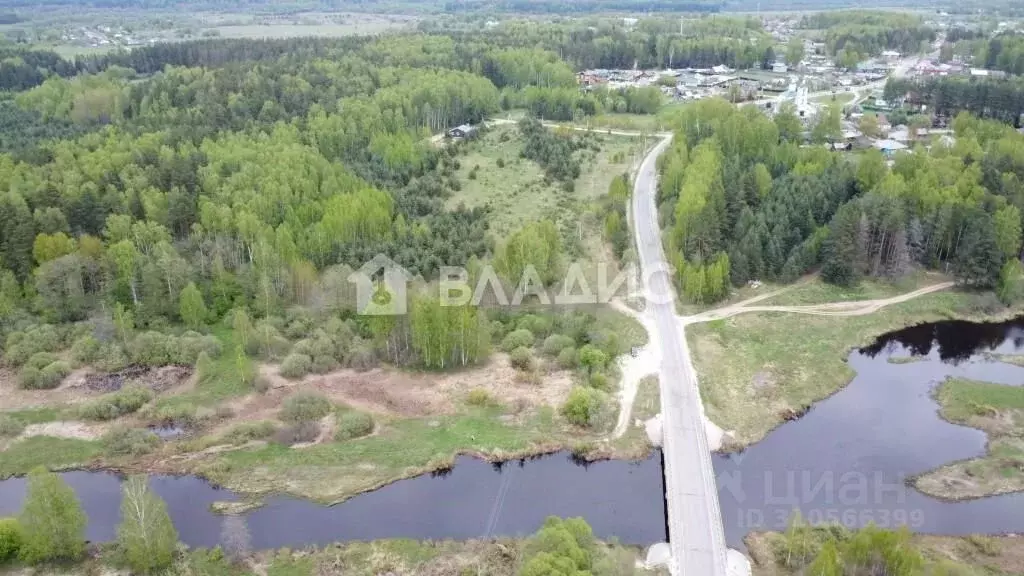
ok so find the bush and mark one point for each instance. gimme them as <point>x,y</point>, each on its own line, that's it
<point>554,344</point>
<point>48,378</point>
<point>324,364</point>
<point>250,431</point>
<point>296,366</point>
<point>111,358</point>
<point>261,384</point>
<point>190,346</point>
<point>362,357</point>
<point>11,537</point>
<point>539,325</point>
<point>151,349</point>
<point>180,415</point>
<point>480,397</point>
<point>353,425</point>
<point>85,350</point>
<point>125,401</point>
<point>583,406</point>
<point>501,162</point>
<point>305,408</point>
<point>521,359</point>
<point>20,346</point>
<point>297,433</point>
<point>517,339</point>
<point>10,427</point>
<point>600,381</point>
<point>568,358</point>
<point>123,441</point>
<point>41,360</point>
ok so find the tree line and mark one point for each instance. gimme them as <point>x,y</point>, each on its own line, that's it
<point>1000,99</point>
<point>743,201</point>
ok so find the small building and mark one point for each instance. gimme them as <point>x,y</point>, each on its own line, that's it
<point>463,131</point>
<point>890,55</point>
<point>888,147</point>
<point>780,67</point>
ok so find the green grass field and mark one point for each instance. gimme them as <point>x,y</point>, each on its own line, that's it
<point>816,291</point>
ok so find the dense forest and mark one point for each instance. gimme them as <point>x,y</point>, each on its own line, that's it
<point>741,200</point>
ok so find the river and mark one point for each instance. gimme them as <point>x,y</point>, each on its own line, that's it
<point>845,460</point>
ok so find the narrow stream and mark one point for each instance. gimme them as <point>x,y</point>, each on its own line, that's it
<point>846,460</point>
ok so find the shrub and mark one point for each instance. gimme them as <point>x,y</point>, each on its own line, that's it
<point>521,359</point>
<point>250,431</point>
<point>324,364</point>
<point>11,537</point>
<point>305,408</point>
<point>110,358</point>
<point>190,346</point>
<point>261,384</point>
<point>180,415</point>
<point>85,350</point>
<point>151,349</point>
<point>20,346</point>
<point>46,379</point>
<point>568,358</point>
<point>10,427</point>
<point>539,325</point>
<point>41,360</point>
<point>296,366</point>
<point>480,397</point>
<point>554,344</point>
<point>52,521</point>
<point>600,381</point>
<point>353,425</point>
<point>125,401</point>
<point>362,357</point>
<point>517,339</point>
<point>501,162</point>
<point>297,433</point>
<point>123,441</point>
<point>583,406</point>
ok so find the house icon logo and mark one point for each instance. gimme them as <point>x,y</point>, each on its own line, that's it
<point>380,287</point>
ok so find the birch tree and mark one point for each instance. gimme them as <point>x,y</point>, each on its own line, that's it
<point>146,537</point>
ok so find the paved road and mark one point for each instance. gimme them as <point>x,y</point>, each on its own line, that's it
<point>695,530</point>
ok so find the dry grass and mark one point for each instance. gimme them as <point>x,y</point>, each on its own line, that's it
<point>800,357</point>
<point>999,411</point>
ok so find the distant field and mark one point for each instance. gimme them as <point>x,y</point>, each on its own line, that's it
<point>518,193</point>
<point>298,25</point>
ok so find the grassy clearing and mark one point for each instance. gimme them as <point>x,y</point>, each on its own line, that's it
<point>400,448</point>
<point>816,291</point>
<point>55,453</point>
<point>1015,359</point>
<point>756,369</point>
<point>963,556</point>
<point>518,192</point>
<point>841,98</point>
<point>999,411</point>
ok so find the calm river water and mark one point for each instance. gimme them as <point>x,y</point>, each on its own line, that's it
<point>846,460</point>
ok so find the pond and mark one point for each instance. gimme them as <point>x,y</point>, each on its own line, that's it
<point>846,460</point>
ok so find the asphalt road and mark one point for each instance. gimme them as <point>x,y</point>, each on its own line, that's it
<point>695,530</point>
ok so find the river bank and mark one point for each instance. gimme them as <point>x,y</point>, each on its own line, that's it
<point>966,556</point>
<point>758,370</point>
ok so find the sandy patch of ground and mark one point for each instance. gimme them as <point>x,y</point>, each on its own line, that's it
<point>387,391</point>
<point>85,383</point>
<point>71,429</point>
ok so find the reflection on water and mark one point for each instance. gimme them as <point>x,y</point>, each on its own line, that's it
<point>846,461</point>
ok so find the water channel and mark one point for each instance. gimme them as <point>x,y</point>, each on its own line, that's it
<point>845,460</point>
